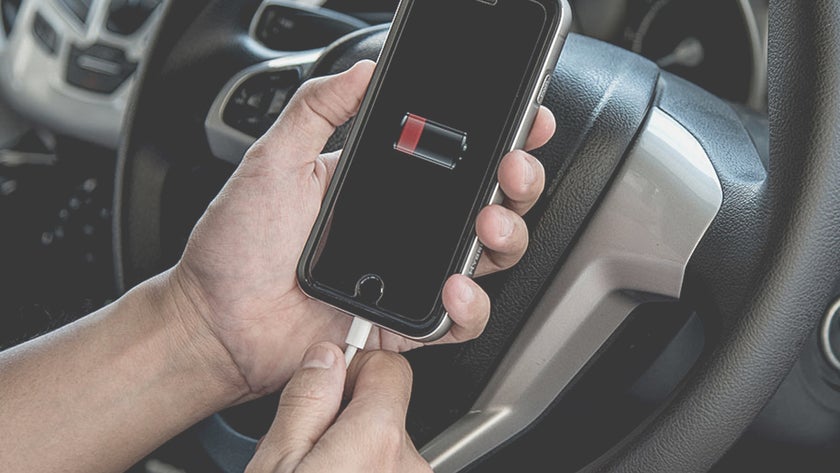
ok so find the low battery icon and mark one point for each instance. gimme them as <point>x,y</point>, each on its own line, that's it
<point>431,141</point>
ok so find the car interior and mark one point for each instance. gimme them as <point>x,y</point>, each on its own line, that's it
<point>677,309</point>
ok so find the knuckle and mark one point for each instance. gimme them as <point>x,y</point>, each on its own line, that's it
<point>305,392</point>
<point>500,260</point>
<point>503,264</point>
<point>320,97</point>
<point>259,149</point>
<point>309,88</point>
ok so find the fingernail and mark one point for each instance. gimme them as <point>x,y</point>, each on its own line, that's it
<point>506,225</point>
<point>466,294</point>
<point>319,357</point>
<point>530,172</point>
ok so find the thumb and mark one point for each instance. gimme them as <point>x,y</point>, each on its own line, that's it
<point>314,112</point>
<point>308,406</point>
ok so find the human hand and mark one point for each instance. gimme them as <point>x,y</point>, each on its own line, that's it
<point>237,277</point>
<point>310,435</point>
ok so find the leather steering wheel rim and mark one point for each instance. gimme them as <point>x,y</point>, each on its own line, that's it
<point>731,385</point>
<point>722,397</point>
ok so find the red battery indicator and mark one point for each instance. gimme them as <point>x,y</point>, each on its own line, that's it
<point>431,141</point>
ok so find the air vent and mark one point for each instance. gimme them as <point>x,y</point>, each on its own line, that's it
<point>79,8</point>
<point>9,10</point>
<point>289,26</point>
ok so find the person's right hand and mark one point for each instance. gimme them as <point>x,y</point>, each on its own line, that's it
<point>310,435</point>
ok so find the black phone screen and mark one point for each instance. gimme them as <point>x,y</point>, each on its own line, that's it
<point>429,143</point>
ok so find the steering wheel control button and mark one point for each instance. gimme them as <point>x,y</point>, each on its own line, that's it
<point>126,17</point>
<point>544,88</point>
<point>258,101</point>
<point>830,335</point>
<point>99,68</point>
<point>45,34</point>
<point>79,8</point>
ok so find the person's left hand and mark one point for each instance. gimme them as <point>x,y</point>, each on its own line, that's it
<point>311,434</point>
<point>236,282</point>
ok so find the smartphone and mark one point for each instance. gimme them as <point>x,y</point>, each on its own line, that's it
<point>457,86</point>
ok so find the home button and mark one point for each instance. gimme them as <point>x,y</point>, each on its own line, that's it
<point>369,289</point>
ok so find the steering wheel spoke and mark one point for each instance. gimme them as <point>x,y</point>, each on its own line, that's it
<point>635,248</point>
<point>251,101</point>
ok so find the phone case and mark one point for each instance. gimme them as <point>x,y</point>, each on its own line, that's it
<point>438,144</point>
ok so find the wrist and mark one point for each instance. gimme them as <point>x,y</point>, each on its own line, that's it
<point>190,340</point>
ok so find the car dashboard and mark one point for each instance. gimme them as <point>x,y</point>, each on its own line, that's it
<point>70,65</point>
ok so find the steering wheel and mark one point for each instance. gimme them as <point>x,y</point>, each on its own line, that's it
<point>656,190</point>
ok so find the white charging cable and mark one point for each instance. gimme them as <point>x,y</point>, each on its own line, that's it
<point>356,338</point>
